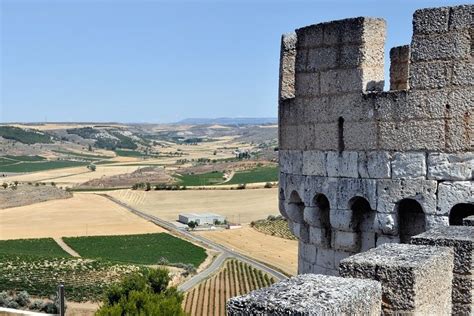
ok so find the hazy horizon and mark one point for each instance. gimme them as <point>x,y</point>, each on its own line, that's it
<point>159,61</point>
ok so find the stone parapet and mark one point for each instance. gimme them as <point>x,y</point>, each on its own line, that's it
<point>311,294</point>
<point>461,240</point>
<point>415,279</point>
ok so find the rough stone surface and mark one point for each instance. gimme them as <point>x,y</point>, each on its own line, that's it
<point>408,165</point>
<point>311,294</point>
<point>452,193</point>
<point>361,167</point>
<point>412,277</point>
<point>442,166</point>
<point>461,240</point>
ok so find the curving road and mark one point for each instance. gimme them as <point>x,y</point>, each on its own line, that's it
<point>225,252</point>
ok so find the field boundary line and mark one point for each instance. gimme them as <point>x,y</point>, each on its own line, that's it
<point>66,247</point>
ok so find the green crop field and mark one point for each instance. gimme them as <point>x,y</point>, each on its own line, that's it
<point>139,249</point>
<point>84,279</point>
<point>129,153</point>
<point>25,158</point>
<point>90,156</point>
<point>260,174</point>
<point>209,178</point>
<point>39,166</point>
<point>46,247</point>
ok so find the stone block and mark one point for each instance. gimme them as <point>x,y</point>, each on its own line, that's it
<point>456,45</point>
<point>460,238</point>
<point>320,236</point>
<point>407,274</point>
<point>322,58</point>
<point>309,252</point>
<point>325,258</point>
<point>390,192</point>
<point>386,223</point>
<point>346,241</point>
<point>461,17</point>
<point>291,161</point>
<point>468,221</point>
<point>347,189</point>
<point>435,221</point>
<point>432,20</point>
<point>444,166</point>
<point>408,165</point>
<point>307,84</point>
<point>341,80</point>
<point>320,136</point>
<point>314,163</point>
<point>378,165</point>
<point>311,294</point>
<point>459,132</point>
<point>430,75</point>
<point>294,212</point>
<point>309,36</point>
<point>412,135</point>
<point>452,193</point>
<point>342,164</point>
<point>287,66</point>
<point>342,220</point>
<point>463,73</point>
<point>360,135</point>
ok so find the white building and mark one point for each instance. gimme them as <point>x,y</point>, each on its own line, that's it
<point>200,219</point>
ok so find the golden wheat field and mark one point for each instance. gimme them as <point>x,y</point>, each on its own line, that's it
<point>81,215</point>
<point>278,252</point>
<point>239,206</point>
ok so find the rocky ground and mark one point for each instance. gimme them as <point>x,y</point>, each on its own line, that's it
<point>30,194</point>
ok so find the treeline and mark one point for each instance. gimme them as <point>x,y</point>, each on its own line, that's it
<point>110,143</point>
<point>24,136</point>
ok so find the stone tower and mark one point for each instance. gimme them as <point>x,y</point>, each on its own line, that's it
<point>360,166</point>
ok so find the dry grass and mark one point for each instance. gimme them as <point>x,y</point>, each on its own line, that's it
<point>278,252</point>
<point>84,214</point>
<point>241,206</point>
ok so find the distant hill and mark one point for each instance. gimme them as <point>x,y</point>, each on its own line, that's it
<point>229,121</point>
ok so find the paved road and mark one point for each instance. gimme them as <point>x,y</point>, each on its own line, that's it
<point>224,251</point>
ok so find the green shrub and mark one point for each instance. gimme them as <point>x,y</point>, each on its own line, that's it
<point>143,294</point>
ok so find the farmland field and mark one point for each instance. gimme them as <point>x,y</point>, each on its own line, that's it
<point>209,178</point>
<point>277,252</point>
<point>140,249</point>
<point>46,247</point>
<point>235,278</point>
<point>260,174</point>
<point>82,215</point>
<point>40,165</point>
<point>276,227</point>
<point>85,279</point>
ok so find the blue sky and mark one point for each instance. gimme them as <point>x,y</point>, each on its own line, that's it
<point>159,61</point>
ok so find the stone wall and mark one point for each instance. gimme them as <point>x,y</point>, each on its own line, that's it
<point>360,167</point>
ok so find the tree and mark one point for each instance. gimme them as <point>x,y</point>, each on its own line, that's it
<point>92,167</point>
<point>145,293</point>
<point>192,224</point>
<point>148,186</point>
<point>5,185</point>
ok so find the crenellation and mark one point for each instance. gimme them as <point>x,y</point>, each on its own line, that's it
<point>399,67</point>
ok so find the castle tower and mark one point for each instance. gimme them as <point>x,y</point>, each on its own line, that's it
<point>360,166</point>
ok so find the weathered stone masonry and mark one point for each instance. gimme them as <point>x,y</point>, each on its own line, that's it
<point>360,166</point>
<point>362,170</point>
